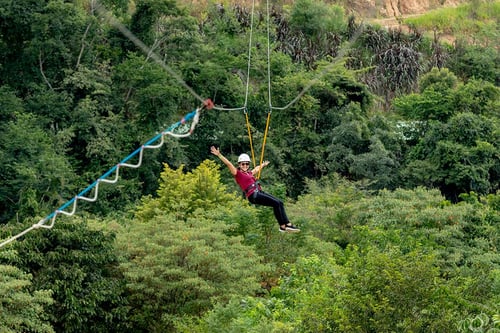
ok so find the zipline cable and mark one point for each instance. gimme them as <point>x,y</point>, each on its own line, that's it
<point>147,50</point>
<point>269,111</point>
<point>249,54</point>
<point>249,62</point>
<point>193,116</point>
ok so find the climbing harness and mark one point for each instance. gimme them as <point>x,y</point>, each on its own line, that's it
<point>173,131</point>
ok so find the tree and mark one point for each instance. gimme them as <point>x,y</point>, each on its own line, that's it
<point>378,165</point>
<point>189,258</point>
<point>389,290</point>
<point>371,291</point>
<point>440,79</point>
<point>314,18</point>
<point>458,132</point>
<point>479,97</point>
<point>325,125</point>
<point>34,173</point>
<point>311,32</point>
<point>395,59</point>
<point>399,244</point>
<point>432,104</point>
<point>178,269</point>
<point>476,62</point>
<point>57,35</point>
<point>15,32</point>
<point>148,13</point>
<point>22,309</point>
<point>183,194</point>
<point>79,266</point>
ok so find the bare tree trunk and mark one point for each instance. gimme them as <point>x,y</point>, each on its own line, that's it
<point>40,62</point>
<point>83,45</point>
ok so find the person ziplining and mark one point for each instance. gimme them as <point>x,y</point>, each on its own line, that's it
<point>245,178</point>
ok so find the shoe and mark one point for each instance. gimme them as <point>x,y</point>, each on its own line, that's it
<point>289,228</point>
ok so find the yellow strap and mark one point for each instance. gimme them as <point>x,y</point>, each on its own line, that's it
<point>264,142</point>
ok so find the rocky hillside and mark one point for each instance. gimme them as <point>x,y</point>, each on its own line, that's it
<point>395,8</point>
<point>369,8</point>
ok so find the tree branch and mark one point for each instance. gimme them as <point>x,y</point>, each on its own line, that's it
<point>40,62</point>
<point>83,44</point>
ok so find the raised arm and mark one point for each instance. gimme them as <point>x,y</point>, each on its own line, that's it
<point>258,167</point>
<point>229,165</point>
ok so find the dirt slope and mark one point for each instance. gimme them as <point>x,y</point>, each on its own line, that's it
<point>397,8</point>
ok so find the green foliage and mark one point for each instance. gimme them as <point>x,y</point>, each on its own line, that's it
<point>314,18</point>
<point>362,295</point>
<point>79,267</point>
<point>378,165</point>
<point>441,79</point>
<point>311,32</point>
<point>52,108</point>
<point>22,310</point>
<point>146,16</point>
<point>183,194</point>
<point>434,103</point>
<point>374,282</point>
<point>57,33</point>
<point>325,209</point>
<point>457,228</point>
<point>479,97</point>
<point>399,225</point>
<point>76,97</point>
<point>34,173</point>
<point>15,34</point>
<point>328,121</point>
<point>479,323</point>
<point>476,62</point>
<point>151,98</point>
<point>443,20</point>
<point>475,21</point>
<point>456,153</point>
<point>177,268</point>
<point>195,254</point>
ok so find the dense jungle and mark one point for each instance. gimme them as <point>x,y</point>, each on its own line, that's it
<point>383,143</point>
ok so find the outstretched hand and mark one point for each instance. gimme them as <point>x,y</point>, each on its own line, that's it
<point>215,151</point>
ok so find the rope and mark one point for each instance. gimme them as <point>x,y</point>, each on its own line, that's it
<point>249,61</point>
<point>250,137</point>
<point>264,142</point>
<point>193,116</point>
<point>127,33</point>
<point>249,54</point>
<point>266,131</point>
<point>268,57</point>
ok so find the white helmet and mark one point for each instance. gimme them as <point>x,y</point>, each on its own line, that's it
<point>243,158</point>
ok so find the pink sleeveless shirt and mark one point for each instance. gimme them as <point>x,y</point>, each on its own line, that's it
<point>245,180</point>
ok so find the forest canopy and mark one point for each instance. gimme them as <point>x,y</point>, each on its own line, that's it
<point>384,146</point>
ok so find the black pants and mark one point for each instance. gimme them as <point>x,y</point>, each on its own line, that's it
<point>264,199</point>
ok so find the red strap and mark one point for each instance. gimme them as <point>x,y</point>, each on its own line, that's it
<point>208,104</point>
